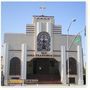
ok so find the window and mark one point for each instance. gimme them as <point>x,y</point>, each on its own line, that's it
<point>72,66</point>
<point>43,41</point>
<point>15,66</point>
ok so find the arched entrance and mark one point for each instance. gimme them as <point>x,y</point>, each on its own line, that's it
<point>43,69</point>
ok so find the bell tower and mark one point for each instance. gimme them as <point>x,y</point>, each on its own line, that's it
<point>43,33</point>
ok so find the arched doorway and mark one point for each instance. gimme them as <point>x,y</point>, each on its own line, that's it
<point>15,66</point>
<point>43,69</point>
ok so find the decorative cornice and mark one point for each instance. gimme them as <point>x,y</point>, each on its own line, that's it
<point>37,54</point>
<point>20,50</point>
<point>56,33</point>
<point>56,50</point>
<point>14,50</point>
<point>71,51</point>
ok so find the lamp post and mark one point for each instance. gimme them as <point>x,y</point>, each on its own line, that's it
<point>68,47</point>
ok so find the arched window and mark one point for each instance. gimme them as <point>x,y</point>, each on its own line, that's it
<point>72,66</point>
<point>15,66</point>
<point>43,41</point>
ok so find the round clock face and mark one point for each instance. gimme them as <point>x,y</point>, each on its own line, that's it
<point>43,41</point>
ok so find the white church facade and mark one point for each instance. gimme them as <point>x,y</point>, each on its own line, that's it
<point>40,54</point>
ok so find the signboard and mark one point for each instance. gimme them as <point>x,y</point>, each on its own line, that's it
<point>16,81</point>
<point>31,81</point>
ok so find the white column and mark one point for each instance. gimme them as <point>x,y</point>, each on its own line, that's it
<point>49,30</point>
<point>23,61</point>
<point>63,65</point>
<point>5,69</point>
<point>79,65</point>
<point>38,27</point>
<point>47,26</point>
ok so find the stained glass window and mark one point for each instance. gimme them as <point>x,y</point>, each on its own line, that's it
<point>43,41</point>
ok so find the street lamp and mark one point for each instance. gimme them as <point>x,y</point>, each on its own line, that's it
<point>68,47</point>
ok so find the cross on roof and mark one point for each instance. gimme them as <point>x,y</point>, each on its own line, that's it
<point>42,8</point>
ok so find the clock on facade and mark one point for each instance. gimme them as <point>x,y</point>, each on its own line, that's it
<point>43,41</point>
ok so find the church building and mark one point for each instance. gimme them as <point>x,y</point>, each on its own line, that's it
<point>41,56</point>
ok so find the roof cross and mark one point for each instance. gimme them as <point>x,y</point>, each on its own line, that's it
<point>42,8</point>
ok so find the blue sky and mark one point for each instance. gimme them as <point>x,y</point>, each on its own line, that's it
<point>15,15</point>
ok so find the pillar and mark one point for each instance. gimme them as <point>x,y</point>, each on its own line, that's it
<point>63,65</point>
<point>79,65</point>
<point>5,68</point>
<point>23,61</point>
